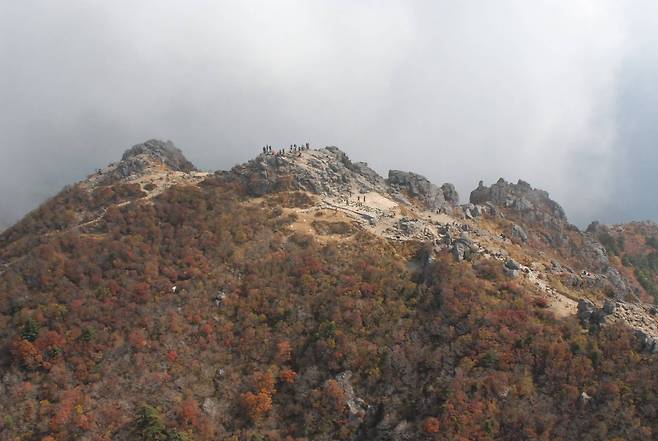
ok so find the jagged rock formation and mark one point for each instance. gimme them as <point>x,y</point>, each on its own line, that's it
<point>330,172</point>
<point>154,166</point>
<point>535,205</point>
<point>419,187</point>
<point>540,217</point>
<point>531,206</point>
<point>326,171</point>
<point>151,154</point>
<point>164,151</point>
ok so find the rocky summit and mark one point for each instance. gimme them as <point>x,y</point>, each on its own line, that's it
<point>302,296</point>
<point>151,154</point>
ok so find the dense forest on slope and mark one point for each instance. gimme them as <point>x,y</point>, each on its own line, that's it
<point>203,315</point>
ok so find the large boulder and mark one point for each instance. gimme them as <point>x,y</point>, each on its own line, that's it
<point>511,268</point>
<point>647,342</point>
<point>586,310</point>
<point>463,248</point>
<point>450,193</point>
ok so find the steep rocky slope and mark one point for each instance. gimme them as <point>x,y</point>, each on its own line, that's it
<point>303,296</point>
<point>634,251</point>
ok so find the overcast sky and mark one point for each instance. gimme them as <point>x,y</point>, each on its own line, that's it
<point>561,94</point>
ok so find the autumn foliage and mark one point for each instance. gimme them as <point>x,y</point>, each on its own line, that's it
<point>263,322</point>
<point>431,425</point>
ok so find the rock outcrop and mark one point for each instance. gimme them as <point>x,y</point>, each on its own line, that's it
<point>519,234</point>
<point>329,172</point>
<point>541,218</point>
<point>326,171</point>
<point>637,316</point>
<point>145,158</point>
<point>420,188</point>
<point>450,193</point>
<point>163,151</point>
<point>527,205</point>
<point>533,204</point>
<point>511,268</point>
<point>463,248</point>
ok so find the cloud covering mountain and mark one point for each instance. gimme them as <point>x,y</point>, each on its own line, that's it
<point>560,95</point>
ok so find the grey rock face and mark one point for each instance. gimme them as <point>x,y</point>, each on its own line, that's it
<point>326,171</point>
<point>144,158</point>
<point>357,407</point>
<point>492,209</point>
<point>594,253</point>
<point>512,264</point>
<point>609,306</point>
<point>521,197</point>
<point>329,171</point>
<point>648,343</point>
<point>472,211</point>
<point>519,233</point>
<point>363,169</point>
<point>531,206</point>
<point>585,310</point>
<point>164,151</point>
<point>129,167</point>
<point>460,250</point>
<point>511,268</point>
<point>450,194</point>
<point>417,186</point>
<point>619,285</point>
<point>463,248</point>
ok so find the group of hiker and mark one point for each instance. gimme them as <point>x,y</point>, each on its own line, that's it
<point>294,148</point>
<point>347,200</point>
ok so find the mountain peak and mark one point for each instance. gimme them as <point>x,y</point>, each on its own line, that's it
<point>329,171</point>
<point>292,272</point>
<point>521,197</point>
<point>148,158</point>
<point>164,151</point>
